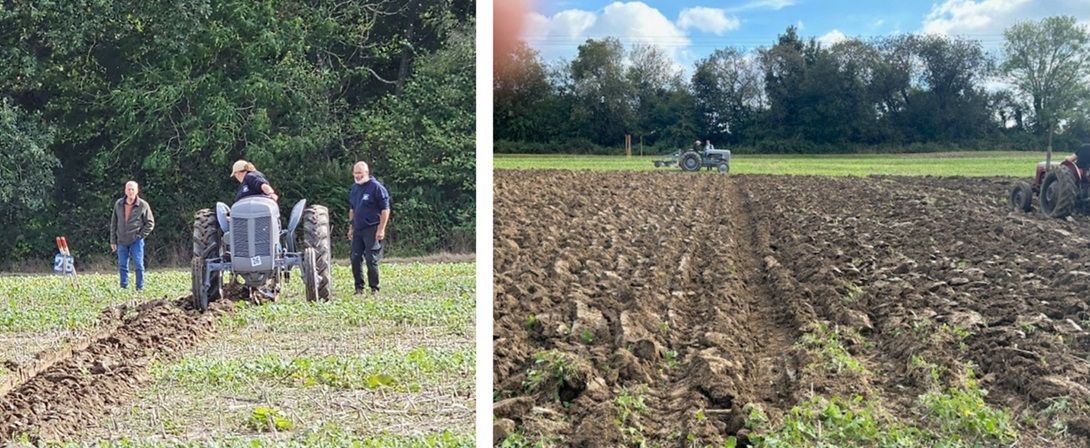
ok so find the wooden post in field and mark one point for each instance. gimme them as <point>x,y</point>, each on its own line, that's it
<point>628,145</point>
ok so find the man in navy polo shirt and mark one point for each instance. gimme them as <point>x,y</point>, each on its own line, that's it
<point>368,212</point>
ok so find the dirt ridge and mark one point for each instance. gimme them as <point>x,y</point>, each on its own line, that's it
<point>64,390</point>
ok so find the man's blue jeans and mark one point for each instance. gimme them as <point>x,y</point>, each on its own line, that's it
<point>136,251</point>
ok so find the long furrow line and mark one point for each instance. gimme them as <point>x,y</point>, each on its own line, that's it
<point>80,385</point>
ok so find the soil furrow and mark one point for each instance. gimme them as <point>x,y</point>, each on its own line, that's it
<point>774,315</point>
<point>79,386</point>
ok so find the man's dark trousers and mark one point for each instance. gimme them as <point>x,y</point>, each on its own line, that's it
<point>364,248</point>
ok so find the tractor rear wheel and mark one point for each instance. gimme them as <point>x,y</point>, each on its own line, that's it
<point>206,244</point>
<point>316,235</point>
<point>310,275</point>
<point>1021,197</point>
<point>1058,193</point>
<point>690,161</point>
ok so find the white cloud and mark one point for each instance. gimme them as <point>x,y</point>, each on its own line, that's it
<point>537,27</point>
<point>631,22</point>
<point>832,37</point>
<point>708,20</point>
<point>801,26</point>
<point>968,16</point>
<point>878,23</point>
<point>774,5</point>
<point>572,23</point>
<point>987,19</point>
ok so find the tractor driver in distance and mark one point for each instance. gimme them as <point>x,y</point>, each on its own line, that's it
<point>1081,157</point>
<point>708,144</point>
<point>253,182</point>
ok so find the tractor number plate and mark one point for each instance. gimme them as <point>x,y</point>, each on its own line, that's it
<point>255,261</point>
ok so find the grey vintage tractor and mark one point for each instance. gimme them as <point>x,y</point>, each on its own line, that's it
<point>247,240</point>
<point>718,159</point>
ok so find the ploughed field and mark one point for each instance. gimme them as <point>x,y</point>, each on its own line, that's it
<point>680,309</point>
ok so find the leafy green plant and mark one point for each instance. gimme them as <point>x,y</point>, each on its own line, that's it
<point>631,406</point>
<point>854,293</point>
<point>586,336</point>
<point>833,422</point>
<point>671,359</point>
<point>922,326</point>
<point>756,419</point>
<point>1055,410</point>
<point>962,411</point>
<point>268,419</point>
<point>518,439</point>
<point>934,371</point>
<point>825,343</point>
<point>552,371</point>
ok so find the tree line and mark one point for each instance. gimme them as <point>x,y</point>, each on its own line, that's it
<point>896,93</point>
<point>94,93</point>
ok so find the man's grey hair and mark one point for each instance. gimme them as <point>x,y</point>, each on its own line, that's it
<point>363,164</point>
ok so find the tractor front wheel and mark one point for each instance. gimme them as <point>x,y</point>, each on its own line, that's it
<point>1021,197</point>
<point>724,168</point>
<point>1058,193</point>
<point>316,235</point>
<point>690,161</point>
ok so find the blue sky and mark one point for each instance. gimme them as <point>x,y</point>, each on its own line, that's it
<point>691,30</point>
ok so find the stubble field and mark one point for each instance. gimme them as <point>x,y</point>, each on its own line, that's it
<point>96,364</point>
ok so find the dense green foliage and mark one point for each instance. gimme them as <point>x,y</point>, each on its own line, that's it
<point>1048,61</point>
<point>26,173</point>
<point>170,93</point>
<point>929,92</point>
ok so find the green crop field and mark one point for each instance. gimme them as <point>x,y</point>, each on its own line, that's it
<point>1014,164</point>
<point>395,369</point>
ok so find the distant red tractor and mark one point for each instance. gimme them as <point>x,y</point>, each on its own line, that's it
<point>1061,188</point>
